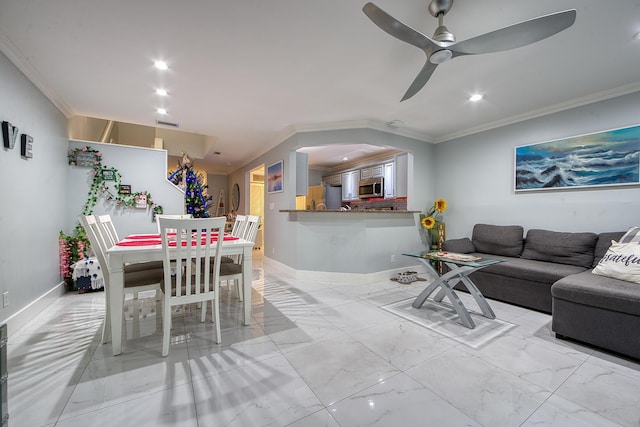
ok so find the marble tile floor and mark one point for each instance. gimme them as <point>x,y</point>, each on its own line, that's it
<point>315,354</point>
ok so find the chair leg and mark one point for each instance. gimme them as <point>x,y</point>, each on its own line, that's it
<point>239,289</point>
<point>216,318</point>
<point>203,309</point>
<point>166,328</point>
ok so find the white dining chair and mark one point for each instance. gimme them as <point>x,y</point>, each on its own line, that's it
<point>233,271</point>
<point>197,262</point>
<point>238,229</point>
<point>108,229</point>
<point>171,216</point>
<point>137,278</point>
<point>110,238</point>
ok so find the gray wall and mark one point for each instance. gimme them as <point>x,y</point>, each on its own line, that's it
<point>145,169</point>
<point>281,234</point>
<point>216,183</point>
<point>34,198</point>
<point>475,175</point>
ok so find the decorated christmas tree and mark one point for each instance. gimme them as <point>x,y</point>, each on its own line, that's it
<point>196,199</point>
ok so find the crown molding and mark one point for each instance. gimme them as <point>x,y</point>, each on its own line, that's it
<point>551,109</point>
<point>23,64</point>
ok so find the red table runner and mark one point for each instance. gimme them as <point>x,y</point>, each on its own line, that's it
<point>129,241</point>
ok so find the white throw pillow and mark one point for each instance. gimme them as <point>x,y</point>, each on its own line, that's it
<point>631,236</point>
<point>622,261</point>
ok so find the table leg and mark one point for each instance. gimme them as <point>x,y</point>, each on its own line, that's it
<point>480,299</point>
<point>116,300</point>
<point>442,282</point>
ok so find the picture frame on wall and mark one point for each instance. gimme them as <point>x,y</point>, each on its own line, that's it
<point>125,189</point>
<point>275,177</point>
<point>600,159</point>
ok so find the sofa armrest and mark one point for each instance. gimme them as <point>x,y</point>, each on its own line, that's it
<point>462,246</point>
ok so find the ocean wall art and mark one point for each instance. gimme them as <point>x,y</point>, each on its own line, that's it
<point>610,158</point>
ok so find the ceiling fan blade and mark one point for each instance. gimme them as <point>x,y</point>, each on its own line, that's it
<point>517,35</point>
<point>396,28</point>
<point>421,79</point>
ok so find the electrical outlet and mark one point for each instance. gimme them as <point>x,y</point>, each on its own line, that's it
<point>393,257</point>
<point>5,299</point>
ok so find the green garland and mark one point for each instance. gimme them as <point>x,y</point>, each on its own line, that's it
<point>99,186</point>
<point>72,247</point>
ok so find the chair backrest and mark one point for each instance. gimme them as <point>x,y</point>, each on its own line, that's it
<point>181,216</point>
<point>239,226</point>
<point>108,229</point>
<point>98,243</point>
<point>190,253</point>
<point>251,230</point>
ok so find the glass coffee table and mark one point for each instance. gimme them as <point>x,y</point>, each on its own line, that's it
<point>460,266</point>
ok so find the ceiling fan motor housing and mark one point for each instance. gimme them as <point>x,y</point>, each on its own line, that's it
<point>439,7</point>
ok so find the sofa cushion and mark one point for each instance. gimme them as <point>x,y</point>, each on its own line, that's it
<point>461,246</point>
<point>526,269</point>
<point>599,291</point>
<point>558,247</point>
<point>505,240</point>
<point>622,261</point>
<point>603,243</point>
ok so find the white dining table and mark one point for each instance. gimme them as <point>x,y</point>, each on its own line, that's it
<point>121,255</point>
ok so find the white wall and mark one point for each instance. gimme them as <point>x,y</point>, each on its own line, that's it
<point>281,235</point>
<point>145,169</point>
<point>217,183</point>
<point>34,197</point>
<point>475,176</point>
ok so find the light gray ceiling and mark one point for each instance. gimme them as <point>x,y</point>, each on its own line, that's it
<point>248,73</point>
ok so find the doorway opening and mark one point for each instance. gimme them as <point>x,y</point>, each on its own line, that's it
<point>256,201</point>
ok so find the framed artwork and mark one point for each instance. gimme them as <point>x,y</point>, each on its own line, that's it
<point>274,178</point>
<point>125,189</point>
<point>610,158</point>
<point>108,175</point>
<point>140,200</point>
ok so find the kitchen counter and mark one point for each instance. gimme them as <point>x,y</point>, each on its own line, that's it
<point>352,211</point>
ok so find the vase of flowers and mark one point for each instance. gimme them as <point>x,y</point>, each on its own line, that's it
<point>432,225</point>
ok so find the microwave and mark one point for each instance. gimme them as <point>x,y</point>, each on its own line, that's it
<point>371,187</point>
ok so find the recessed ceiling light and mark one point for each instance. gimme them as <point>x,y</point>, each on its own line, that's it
<point>162,92</point>
<point>161,111</point>
<point>161,65</point>
<point>476,97</point>
<point>345,158</point>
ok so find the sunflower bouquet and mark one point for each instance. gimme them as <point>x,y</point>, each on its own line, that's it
<point>429,221</point>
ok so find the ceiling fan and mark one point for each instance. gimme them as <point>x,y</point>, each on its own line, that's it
<point>442,46</point>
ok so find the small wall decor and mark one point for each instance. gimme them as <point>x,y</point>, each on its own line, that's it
<point>140,201</point>
<point>275,178</point>
<point>85,157</point>
<point>125,189</point>
<point>610,158</point>
<point>108,174</point>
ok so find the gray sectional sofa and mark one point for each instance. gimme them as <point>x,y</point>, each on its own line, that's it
<point>550,271</point>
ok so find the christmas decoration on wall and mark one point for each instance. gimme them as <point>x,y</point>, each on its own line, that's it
<point>107,183</point>
<point>196,199</point>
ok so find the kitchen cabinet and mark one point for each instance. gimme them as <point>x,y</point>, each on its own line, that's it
<point>372,172</point>
<point>389,180</point>
<point>350,187</point>
<point>333,180</point>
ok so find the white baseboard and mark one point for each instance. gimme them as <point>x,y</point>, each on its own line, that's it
<point>25,315</point>
<point>328,276</point>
